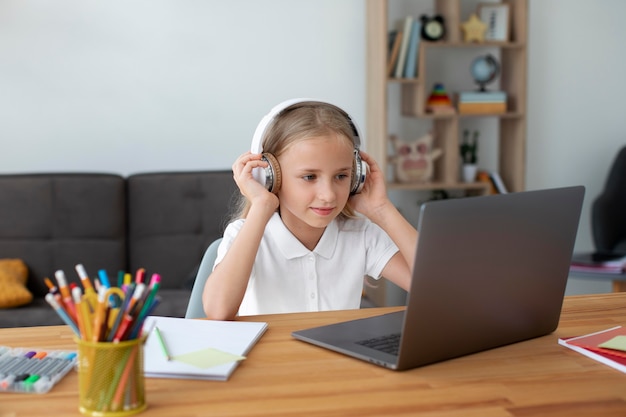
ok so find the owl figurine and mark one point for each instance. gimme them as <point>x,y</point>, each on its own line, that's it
<point>414,162</point>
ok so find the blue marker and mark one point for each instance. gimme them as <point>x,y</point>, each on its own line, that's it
<point>104,278</point>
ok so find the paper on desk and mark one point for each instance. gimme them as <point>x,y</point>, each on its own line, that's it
<point>616,343</point>
<point>207,358</point>
<point>200,349</point>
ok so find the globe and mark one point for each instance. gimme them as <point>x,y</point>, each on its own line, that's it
<point>484,70</point>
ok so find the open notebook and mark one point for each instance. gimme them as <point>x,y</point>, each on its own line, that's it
<point>198,349</point>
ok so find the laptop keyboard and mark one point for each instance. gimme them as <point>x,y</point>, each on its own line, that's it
<point>389,343</point>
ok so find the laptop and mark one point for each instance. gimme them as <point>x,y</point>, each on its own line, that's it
<point>489,271</point>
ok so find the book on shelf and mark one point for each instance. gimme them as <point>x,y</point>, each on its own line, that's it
<point>497,182</point>
<point>481,102</point>
<point>483,176</point>
<point>481,107</point>
<point>606,346</point>
<point>410,67</point>
<point>404,46</point>
<point>394,51</point>
<point>601,262</point>
<point>482,96</point>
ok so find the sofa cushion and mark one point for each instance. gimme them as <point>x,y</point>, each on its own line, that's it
<point>54,221</point>
<point>13,276</point>
<point>173,217</point>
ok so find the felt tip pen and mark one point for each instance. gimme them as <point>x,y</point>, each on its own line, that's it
<point>140,275</point>
<point>84,278</point>
<point>65,293</point>
<point>77,295</point>
<point>104,278</point>
<point>161,340</point>
<point>62,313</point>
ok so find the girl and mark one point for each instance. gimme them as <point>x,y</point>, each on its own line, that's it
<point>302,247</point>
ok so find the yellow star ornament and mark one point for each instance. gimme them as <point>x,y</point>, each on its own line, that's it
<point>474,29</point>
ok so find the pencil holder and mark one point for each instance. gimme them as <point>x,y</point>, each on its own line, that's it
<point>111,378</point>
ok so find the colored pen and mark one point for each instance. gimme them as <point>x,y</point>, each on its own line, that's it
<point>65,293</point>
<point>104,278</point>
<point>78,303</point>
<point>155,284</point>
<point>62,313</point>
<point>137,328</point>
<point>137,294</point>
<point>98,323</point>
<point>140,275</point>
<point>128,293</point>
<point>84,278</point>
<point>161,340</point>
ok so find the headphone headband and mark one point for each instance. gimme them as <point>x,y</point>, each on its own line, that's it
<point>257,139</point>
<point>271,177</point>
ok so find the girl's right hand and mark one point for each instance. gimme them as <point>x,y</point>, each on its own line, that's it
<point>249,187</point>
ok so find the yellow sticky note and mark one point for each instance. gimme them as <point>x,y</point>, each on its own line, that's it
<point>207,358</point>
<point>617,343</point>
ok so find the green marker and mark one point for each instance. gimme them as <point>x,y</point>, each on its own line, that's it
<point>162,343</point>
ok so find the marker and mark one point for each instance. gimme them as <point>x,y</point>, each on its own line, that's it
<point>104,278</point>
<point>84,278</point>
<point>65,293</point>
<point>123,329</point>
<point>128,293</point>
<point>137,328</point>
<point>155,284</point>
<point>54,290</point>
<point>98,323</point>
<point>157,332</point>
<point>140,276</point>
<point>62,313</point>
<point>78,303</point>
<point>134,301</point>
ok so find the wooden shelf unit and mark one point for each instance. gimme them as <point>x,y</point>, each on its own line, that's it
<point>414,92</point>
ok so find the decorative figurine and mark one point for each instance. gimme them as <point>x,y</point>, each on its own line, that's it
<point>438,102</point>
<point>474,29</point>
<point>414,162</point>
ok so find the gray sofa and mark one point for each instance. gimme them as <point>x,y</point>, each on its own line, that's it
<point>160,221</point>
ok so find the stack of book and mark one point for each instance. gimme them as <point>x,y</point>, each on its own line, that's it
<point>493,178</point>
<point>481,102</point>
<point>606,346</point>
<point>403,49</point>
<point>605,263</point>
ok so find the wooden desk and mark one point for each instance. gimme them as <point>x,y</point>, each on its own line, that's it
<point>285,377</point>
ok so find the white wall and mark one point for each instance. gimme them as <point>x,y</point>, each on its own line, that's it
<point>142,85</point>
<point>577,85</point>
<point>148,85</point>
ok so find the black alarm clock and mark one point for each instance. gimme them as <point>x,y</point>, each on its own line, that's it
<point>433,28</point>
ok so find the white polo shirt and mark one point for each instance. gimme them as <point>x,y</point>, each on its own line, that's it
<point>287,277</point>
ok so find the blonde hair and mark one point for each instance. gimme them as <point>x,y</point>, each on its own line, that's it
<point>296,123</point>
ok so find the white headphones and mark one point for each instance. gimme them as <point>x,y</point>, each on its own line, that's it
<point>271,176</point>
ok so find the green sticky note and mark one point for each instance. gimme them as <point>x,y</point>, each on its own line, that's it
<point>207,358</point>
<point>617,343</point>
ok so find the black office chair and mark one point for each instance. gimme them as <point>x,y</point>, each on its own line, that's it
<point>608,212</point>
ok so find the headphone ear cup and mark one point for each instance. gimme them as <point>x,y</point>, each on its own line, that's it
<point>359,173</point>
<point>274,177</point>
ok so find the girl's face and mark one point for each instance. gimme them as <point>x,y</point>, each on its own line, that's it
<point>315,184</point>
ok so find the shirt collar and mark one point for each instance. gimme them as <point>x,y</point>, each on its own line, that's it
<point>292,248</point>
